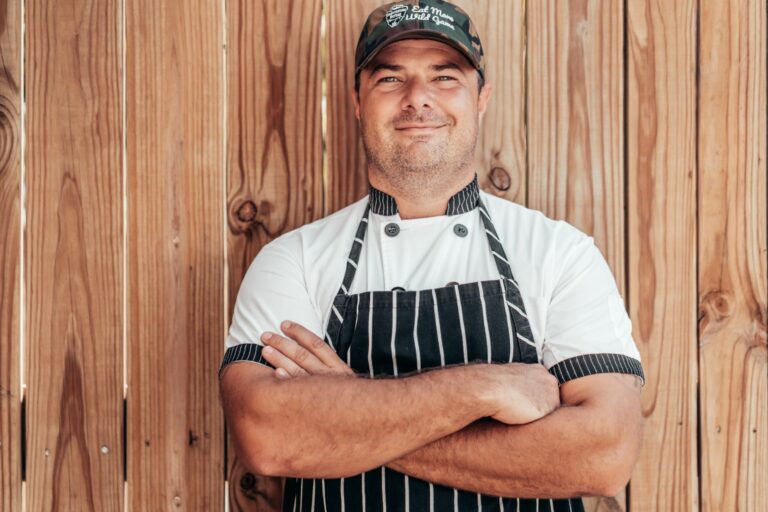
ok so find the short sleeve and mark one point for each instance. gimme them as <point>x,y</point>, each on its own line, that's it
<point>273,290</point>
<point>587,329</point>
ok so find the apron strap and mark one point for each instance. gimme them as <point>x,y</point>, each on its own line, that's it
<point>354,253</point>
<point>499,255</point>
<point>512,292</point>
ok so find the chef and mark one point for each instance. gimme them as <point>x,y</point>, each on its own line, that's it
<point>431,346</point>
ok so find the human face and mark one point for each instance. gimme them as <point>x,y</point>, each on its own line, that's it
<point>419,110</point>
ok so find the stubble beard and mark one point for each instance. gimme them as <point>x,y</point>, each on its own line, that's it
<point>419,168</point>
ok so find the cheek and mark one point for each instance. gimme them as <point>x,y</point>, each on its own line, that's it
<point>379,110</point>
<point>460,106</point>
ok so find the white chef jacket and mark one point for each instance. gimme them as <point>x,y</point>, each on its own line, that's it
<point>570,296</point>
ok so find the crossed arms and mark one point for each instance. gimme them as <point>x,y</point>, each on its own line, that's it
<point>498,429</point>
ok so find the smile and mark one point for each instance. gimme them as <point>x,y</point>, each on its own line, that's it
<point>419,130</point>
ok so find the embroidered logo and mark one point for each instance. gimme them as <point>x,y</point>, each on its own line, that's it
<point>395,14</point>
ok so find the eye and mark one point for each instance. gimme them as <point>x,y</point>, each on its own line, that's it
<point>388,79</point>
<point>445,78</point>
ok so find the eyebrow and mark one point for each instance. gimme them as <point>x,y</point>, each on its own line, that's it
<point>447,65</point>
<point>395,67</point>
<point>390,67</point>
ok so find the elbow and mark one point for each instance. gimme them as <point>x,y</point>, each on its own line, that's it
<point>606,475</point>
<point>610,485</point>
<point>251,413</point>
<point>258,454</point>
<point>264,463</point>
<point>614,462</point>
<point>257,445</point>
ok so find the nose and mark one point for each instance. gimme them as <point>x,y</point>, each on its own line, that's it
<point>416,95</point>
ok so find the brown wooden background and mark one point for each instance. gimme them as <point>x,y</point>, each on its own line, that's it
<point>149,148</point>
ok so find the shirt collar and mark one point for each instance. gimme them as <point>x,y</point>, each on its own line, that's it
<point>463,201</point>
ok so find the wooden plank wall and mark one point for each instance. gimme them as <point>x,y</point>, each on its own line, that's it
<point>10,255</point>
<point>175,255</point>
<point>732,144</point>
<point>162,144</point>
<point>661,238</point>
<point>73,246</point>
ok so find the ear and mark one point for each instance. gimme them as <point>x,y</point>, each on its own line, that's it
<point>483,100</point>
<point>355,101</point>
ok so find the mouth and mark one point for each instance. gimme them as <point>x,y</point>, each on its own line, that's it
<point>418,129</point>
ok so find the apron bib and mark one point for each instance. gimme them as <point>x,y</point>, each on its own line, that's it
<point>393,333</point>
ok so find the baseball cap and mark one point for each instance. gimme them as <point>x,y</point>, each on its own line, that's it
<point>419,19</point>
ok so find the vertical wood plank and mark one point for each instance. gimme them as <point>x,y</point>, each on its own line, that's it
<point>576,119</point>
<point>347,179</point>
<point>576,128</point>
<point>73,244</point>
<point>175,180</point>
<point>661,126</point>
<point>274,156</point>
<point>501,147</point>
<point>732,255</point>
<point>10,241</point>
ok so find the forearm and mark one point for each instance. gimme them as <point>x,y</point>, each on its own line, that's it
<point>332,426</point>
<point>567,453</point>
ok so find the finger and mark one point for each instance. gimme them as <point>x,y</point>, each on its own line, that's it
<point>310,341</point>
<point>282,374</point>
<point>279,360</point>
<point>296,353</point>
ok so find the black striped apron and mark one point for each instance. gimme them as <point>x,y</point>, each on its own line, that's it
<point>399,332</point>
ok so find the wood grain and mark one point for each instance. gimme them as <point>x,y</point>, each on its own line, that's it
<point>175,196</point>
<point>347,177</point>
<point>661,124</point>
<point>576,128</point>
<point>501,147</point>
<point>73,245</point>
<point>10,241</point>
<point>732,255</point>
<point>274,156</point>
<point>576,119</point>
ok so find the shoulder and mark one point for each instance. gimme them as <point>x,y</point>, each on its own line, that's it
<point>518,225</point>
<point>540,249</point>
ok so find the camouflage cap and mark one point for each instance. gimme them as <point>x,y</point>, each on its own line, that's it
<point>419,19</point>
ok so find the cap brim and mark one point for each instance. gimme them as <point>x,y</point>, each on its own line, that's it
<point>420,33</point>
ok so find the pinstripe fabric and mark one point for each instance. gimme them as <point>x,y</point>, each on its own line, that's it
<point>396,333</point>
<point>590,364</point>
<point>463,201</point>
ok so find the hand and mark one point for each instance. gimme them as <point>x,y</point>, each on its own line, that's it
<point>303,353</point>
<point>522,393</point>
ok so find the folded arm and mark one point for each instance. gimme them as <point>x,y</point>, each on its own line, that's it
<point>336,425</point>
<point>587,447</point>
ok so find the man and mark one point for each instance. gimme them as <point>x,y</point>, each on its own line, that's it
<point>465,299</point>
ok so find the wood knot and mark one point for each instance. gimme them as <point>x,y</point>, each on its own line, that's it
<point>716,307</point>
<point>247,482</point>
<point>247,211</point>
<point>192,438</point>
<point>500,178</point>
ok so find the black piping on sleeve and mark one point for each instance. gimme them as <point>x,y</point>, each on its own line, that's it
<point>244,352</point>
<point>591,364</point>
